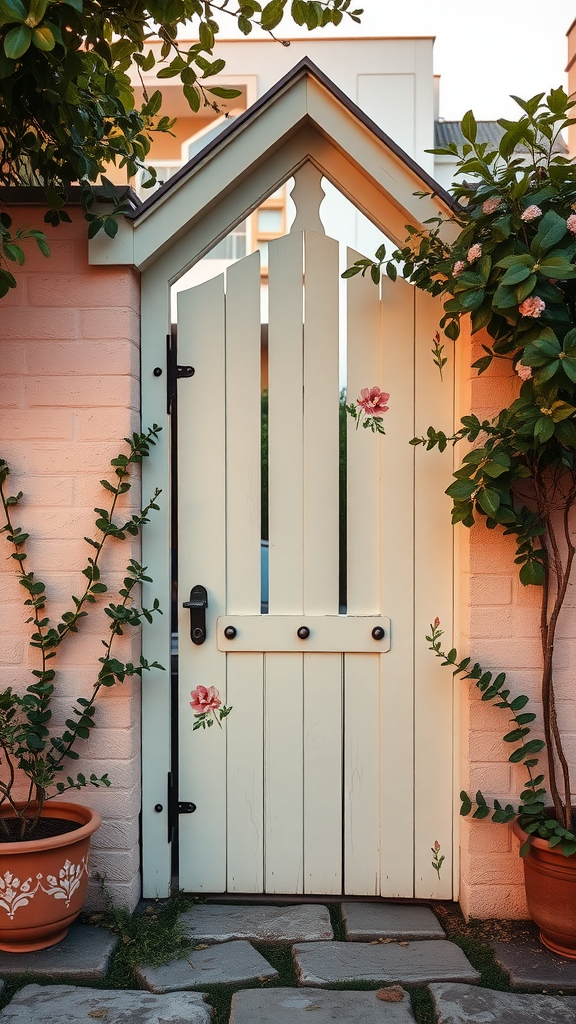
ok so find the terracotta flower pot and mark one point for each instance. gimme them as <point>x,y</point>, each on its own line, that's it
<point>43,881</point>
<point>550,880</point>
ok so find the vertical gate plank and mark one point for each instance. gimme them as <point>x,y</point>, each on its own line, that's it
<point>397,574</point>
<point>283,796</point>
<point>285,423</point>
<point>243,425</point>
<point>320,441</point>
<point>322,672</point>
<point>361,671</point>
<point>201,510</point>
<point>245,672</point>
<point>433,596</point>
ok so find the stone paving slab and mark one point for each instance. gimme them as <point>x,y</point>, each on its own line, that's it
<point>418,963</point>
<point>232,963</point>
<point>308,923</point>
<point>83,955</point>
<point>462,1004</point>
<point>293,1006</point>
<point>66,1004</point>
<point>530,965</point>
<point>366,922</point>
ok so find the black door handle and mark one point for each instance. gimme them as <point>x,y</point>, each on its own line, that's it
<point>197,604</point>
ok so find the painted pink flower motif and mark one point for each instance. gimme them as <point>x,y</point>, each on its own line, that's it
<point>459,266</point>
<point>373,401</point>
<point>571,223</point>
<point>205,700</point>
<point>531,213</point>
<point>436,846</point>
<point>524,372</point>
<point>436,622</point>
<point>532,306</point>
<point>491,205</point>
<point>474,252</point>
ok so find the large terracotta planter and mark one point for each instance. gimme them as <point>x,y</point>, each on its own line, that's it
<point>550,880</point>
<point>43,882</point>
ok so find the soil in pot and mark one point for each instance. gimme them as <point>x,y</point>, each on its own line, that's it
<point>45,828</point>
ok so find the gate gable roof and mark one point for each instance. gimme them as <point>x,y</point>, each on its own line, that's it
<point>305,116</point>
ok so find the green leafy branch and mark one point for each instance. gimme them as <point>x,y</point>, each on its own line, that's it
<point>11,250</point>
<point>24,719</point>
<point>532,813</point>
<point>68,104</point>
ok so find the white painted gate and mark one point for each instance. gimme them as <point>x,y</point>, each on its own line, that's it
<point>333,773</point>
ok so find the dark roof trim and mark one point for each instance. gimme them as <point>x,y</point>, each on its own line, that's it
<point>305,66</point>
<point>34,195</point>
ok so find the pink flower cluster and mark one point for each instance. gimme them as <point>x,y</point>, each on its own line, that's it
<point>373,401</point>
<point>571,223</point>
<point>491,205</point>
<point>474,253</point>
<point>532,306</point>
<point>459,266</point>
<point>524,372</point>
<point>531,213</point>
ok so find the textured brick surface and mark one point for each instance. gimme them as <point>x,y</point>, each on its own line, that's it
<point>69,394</point>
<point>498,626</point>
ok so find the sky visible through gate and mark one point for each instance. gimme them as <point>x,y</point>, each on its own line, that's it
<point>484,51</point>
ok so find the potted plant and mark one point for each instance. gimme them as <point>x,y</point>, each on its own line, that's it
<point>512,270</point>
<point>44,843</point>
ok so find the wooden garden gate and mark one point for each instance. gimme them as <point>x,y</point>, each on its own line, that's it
<point>333,773</point>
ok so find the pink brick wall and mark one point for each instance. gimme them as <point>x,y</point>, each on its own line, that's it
<point>499,627</point>
<point>69,393</point>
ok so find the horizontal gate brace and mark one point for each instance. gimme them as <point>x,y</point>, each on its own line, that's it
<point>174,371</point>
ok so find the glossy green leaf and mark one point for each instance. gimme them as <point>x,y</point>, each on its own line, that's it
<point>515,274</point>
<point>12,10</point>
<point>488,500</point>
<point>17,41</point>
<point>43,39</point>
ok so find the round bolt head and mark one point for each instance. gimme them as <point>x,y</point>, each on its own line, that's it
<point>303,632</point>
<point>230,632</point>
<point>378,633</point>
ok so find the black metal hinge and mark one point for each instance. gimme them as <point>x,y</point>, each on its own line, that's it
<point>176,807</point>
<point>175,371</point>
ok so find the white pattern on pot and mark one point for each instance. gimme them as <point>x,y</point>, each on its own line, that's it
<point>15,893</point>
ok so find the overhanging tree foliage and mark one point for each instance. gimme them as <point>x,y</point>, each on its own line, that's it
<point>67,104</point>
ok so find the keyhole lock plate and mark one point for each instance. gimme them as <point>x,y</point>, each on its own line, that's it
<point>197,604</point>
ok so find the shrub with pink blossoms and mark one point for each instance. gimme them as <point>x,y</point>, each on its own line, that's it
<point>524,372</point>
<point>531,213</point>
<point>532,306</point>
<point>491,205</point>
<point>512,276</point>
